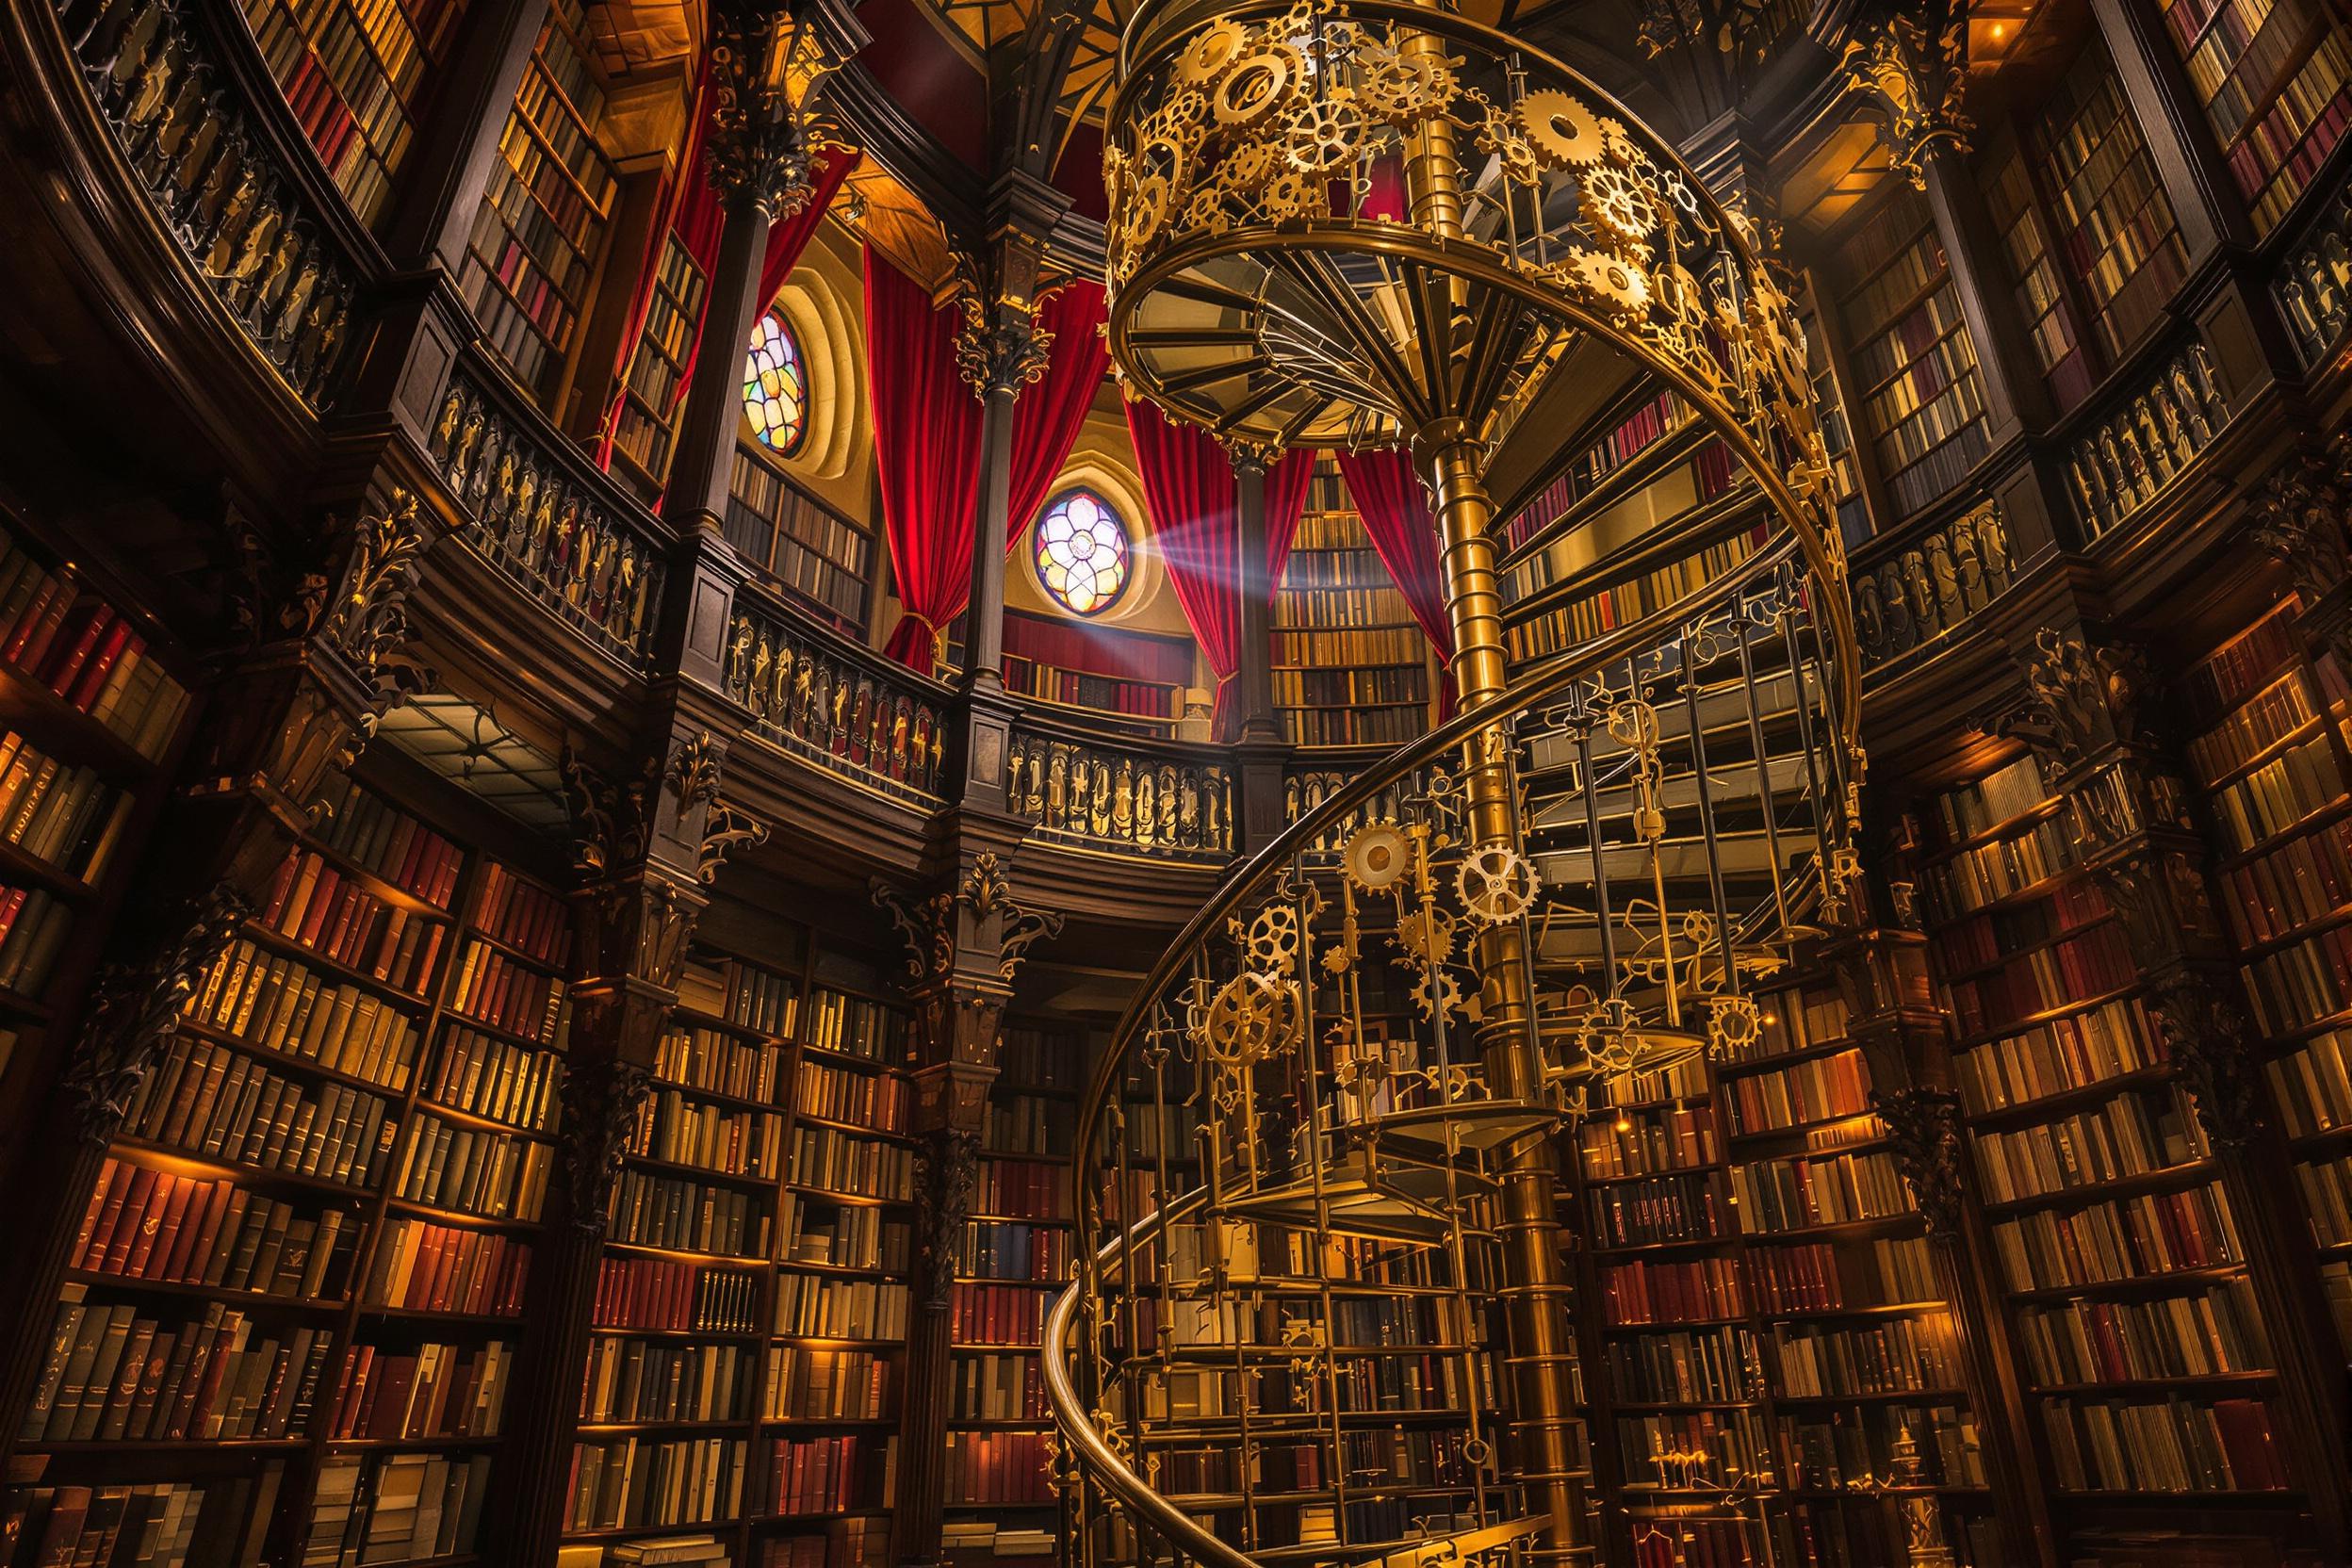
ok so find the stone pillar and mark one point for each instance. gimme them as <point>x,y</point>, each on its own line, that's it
<point>965,941</point>
<point>324,666</point>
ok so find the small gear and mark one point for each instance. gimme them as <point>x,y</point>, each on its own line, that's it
<point>1252,1017</point>
<point>1733,1027</point>
<point>1255,87</point>
<point>1436,991</point>
<point>1205,213</point>
<point>1425,932</point>
<point>1496,885</point>
<point>1246,169</point>
<point>1154,198</point>
<point>1616,285</point>
<point>1324,136</point>
<point>1188,106</point>
<point>1272,942</point>
<point>1214,49</point>
<point>1678,193</point>
<point>1376,856</point>
<point>1398,88</point>
<point>1779,344</point>
<point>1567,134</point>
<point>1620,211</point>
<point>1288,194</point>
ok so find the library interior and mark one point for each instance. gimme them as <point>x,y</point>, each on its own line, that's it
<point>1176,784</point>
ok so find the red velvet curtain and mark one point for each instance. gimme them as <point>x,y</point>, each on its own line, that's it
<point>1047,420</point>
<point>926,448</point>
<point>1196,519</point>
<point>1395,512</point>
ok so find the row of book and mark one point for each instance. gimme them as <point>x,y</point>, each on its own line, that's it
<point>508,995</point>
<point>879,1101</point>
<point>386,843</point>
<point>2175,1445</point>
<point>715,1062</point>
<point>2311,1085</point>
<point>1905,1355</point>
<point>1983,940</point>
<point>1352,647</point>
<point>636,1380</point>
<point>861,1542</point>
<point>2197,1335</point>
<point>146,1224</point>
<point>997,1387</point>
<point>472,1170</point>
<point>2118,1240</point>
<point>1999,798</point>
<point>843,1235</point>
<point>523,916</point>
<point>84,650</point>
<point>281,1004</point>
<point>1655,1209</point>
<point>1780,1279</point>
<point>420,1266</point>
<point>1683,1366</point>
<point>996,1315</point>
<point>1647,1143</point>
<point>669,1126</point>
<point>395,1508</point>
<point>165,1525</point>
<point>659,1293</point>
<point>633,1481</point>
<point>114,1376</point>
<point>2303,881</point>
<point>1027,1124</point>
<point>811,549</point>
<point>856,1026</point>
<point>312,905</point>
<point>998,1469</point>
<point>1792,1020</point>
<point>2132,1135</point>
<point>2071,1053</point>
<point>2252,728</point>
<point>485,1076</point>
<point>1105,693</point>
<point>1021,1189</point>
<point>2092,964</point>
<point>825,1385</point>
<point>842,1162</point>
<point>434,1391</point>
<point>1003,1250</point>
<point>810,1306</point>
<point>1836,1452</point>
<point>1821,1088</point>
<point>63,816</point>
<point>2276,797</point>
<point>2328,1198</point>
<point>33,927</point>
<point>1997,872</point>
<point>832,1475</point>
<point>2303,983</point>
<point>215,1100</point>
<point>760,999</point>
<point>685,1215</point>
<point>1031,1056</point>
<point>1780,1195</point>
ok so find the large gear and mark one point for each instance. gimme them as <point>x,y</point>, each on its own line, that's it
<point>1620,211</point>
<point>1255,87</point>
<point>1208,55</point>
<point>1496,885</point>
<point>1399,88</point>
<point>1376,856</point>
<point>1272,939</point>
<point>1252,1017</point>
<point>1568,135</point>
<point>1324,136</point>
<point>1614,283</point>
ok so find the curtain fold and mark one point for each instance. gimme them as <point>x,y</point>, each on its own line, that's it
<point>1287,486</point>
<point>1395,512</point>
<point>926,448</point>
<point>1189,486</point>
<point>1052,409</point>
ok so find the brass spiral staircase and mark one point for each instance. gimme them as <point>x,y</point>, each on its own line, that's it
<point>1322,1312</point>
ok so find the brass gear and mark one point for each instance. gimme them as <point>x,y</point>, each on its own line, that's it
<point>1288,194</point>
<point>1496,885</point>
<point>1255,87</point>
<point>1324,136</point>
<point>1425,932</point>
<point>1616,285</point>
<point>1436,991</point>
<point>1206,213</point>
<point>1568,135</point>
<point>1272,939</point>
<point>1778,343</point>
<point>1617,206</point>
<point>1186,106</point>
<point>1154,199</point>
<point>1252,1017</point>
<point>1246,169</point>
<point>1212,51</point>
<point>1376,856</point>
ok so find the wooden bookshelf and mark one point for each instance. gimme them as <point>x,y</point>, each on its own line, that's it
<point>823,558</point>
<point>355,77</point>
<point>2274,79</point>
<point>1350,666</point>
<point>532,255</point>
<point>1829,406</point>
<point>1916,392</point>
<point>653,391</point>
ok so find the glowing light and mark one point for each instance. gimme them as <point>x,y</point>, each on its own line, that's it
<point>1083,553</point>
<point>775,385</point>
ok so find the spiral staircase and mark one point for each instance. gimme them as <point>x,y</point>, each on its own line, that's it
<point>1321,1314</point>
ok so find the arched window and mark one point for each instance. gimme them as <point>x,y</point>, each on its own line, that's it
<point>1082,554</point>
<point>775,385</point>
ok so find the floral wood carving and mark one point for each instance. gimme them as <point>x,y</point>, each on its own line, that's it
<point>927,926</point>
<point>2300,519</point>
<point>989,891</point>
<point>1913,66</point>
<point>947,1167</point>
<point>2207,1036</point>
<point>1923,1128</point>
<point>610,821</point>
<point>600,1103</point>
<point>135,1011</point>
<point>2079,698</point>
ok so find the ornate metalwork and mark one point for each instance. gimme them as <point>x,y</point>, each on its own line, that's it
<point>1923,1131</point>
<point>859,717</point>
<point>765,69</point>
<point>2148,440</point>
<point>1932,587</point>
<point>600,1105</point>
<point>575,551</point>
<point>1112,796</point>
<point>177,113</point>
<point>134,1011</point>
<point>1912,64</point>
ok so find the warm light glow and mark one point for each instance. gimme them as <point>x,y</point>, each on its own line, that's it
<point>775,385</point>
<point>1082,553</point>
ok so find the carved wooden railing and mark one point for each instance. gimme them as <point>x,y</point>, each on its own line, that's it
<point>1137,796</point>
<point>2148,436</point>
<point>843,707</point>
<point>165,88</point>
<point>2312,285</point>
<point>555,526</point>
<point>1918,591</point>
<point>1307,786</point>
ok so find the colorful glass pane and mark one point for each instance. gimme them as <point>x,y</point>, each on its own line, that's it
<point>775,385</point>
<point>1082,553</point>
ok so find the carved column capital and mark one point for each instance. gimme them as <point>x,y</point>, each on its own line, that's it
<point>766,67</point>
<point>2160,898</point>
<point>1911,63</point>
<point>2082,698</point>
<point>136,1009</point>
<point>601,1100</point>
<point>2208,1037</point>
<point>1000,345</point>
<point>1923,1128</point>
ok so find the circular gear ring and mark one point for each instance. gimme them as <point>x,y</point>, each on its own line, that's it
<point>1376,856</point>
<point>1272,941</point>
<point>1496,885</point>
<point>1254,87</point>
<point>1566,133</point>
<point>1208,55</point>
<point>1616,285</point>
<point>1324,136</point>
<point>1619,209</point>
<point>1252,1017</point>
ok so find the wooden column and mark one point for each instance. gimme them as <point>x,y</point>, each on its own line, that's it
<point>301,705</point>
<point>447,175</point>
<point>965,941</point>
<point>2091,716</point>
<point>709,423</point>
<point>2205,203</point>
<point>644,848</point>
<point>1253,683</point>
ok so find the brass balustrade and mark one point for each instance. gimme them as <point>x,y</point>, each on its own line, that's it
<point>162,86</point>
<point>2313,288</point>
<point>1305,788</point>
<point>853,713</point>
<point>1128,796</point>
<point>2149,440</point>
<point>535,515</point>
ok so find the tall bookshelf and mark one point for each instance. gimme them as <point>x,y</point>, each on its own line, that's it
<point>537,242</point>
<point>1133,680</point>
<point>2274,80</point>
<point>1916,395</point>
<point>823,557</point>
<point>355,77</point>
<point>1350,665</point>
<point>2272,760</point>
<point>1777,1361</point>
<point>2125,1274</point>
<point>289,1317</point>
<point>652,392</point>
<point>1015,1252</point>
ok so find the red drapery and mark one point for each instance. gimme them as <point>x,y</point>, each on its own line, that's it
<point>1196,520</point>
<point>1103,650</point>
<point>1047,419</point>
<point>697,217</point>
<point>926,448</point>
<point>1395,513</point>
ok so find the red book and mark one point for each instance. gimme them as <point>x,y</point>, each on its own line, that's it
<point>125,1233</point>
<point>322,900</point>
<point>74,649</point>
<point>55,593</point>
<point>106,1200</point>
<point>93,680</point>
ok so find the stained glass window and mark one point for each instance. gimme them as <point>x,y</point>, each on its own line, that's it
<point>1082,551</point>
<point>775,385</point>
